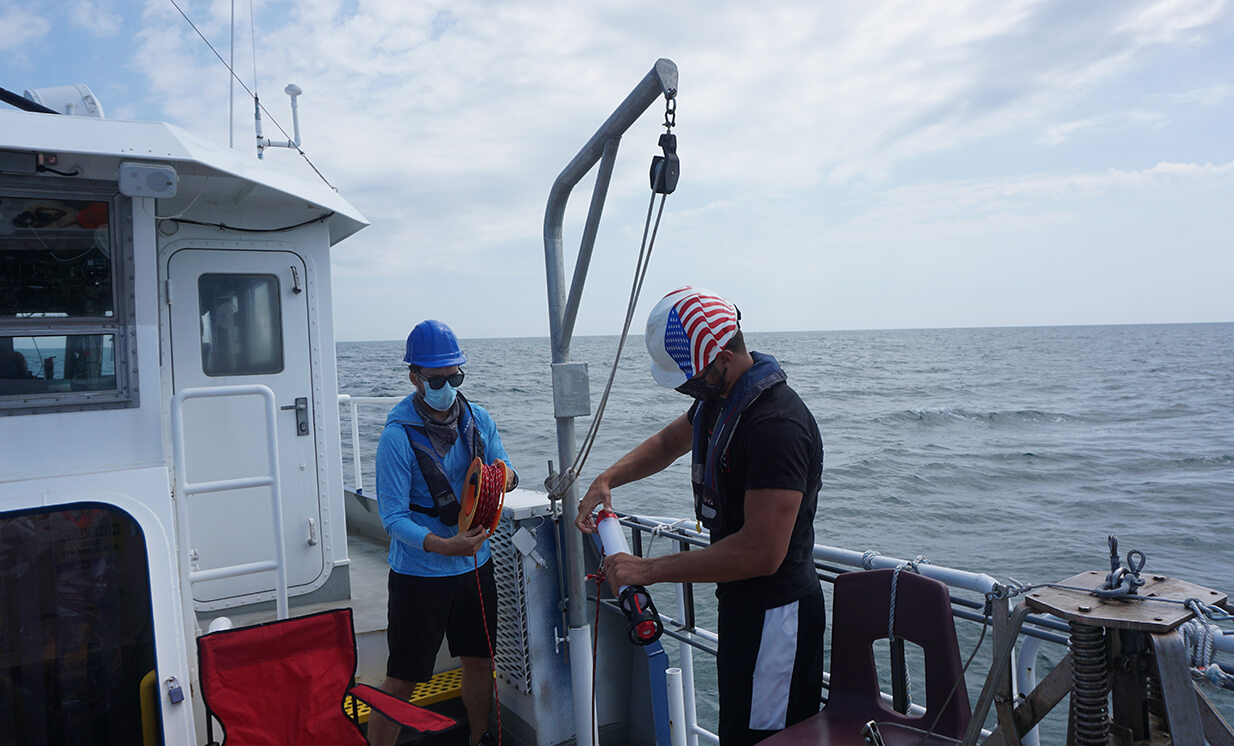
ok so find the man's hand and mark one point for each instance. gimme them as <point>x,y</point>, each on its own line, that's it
<point>626,569</point>
<point>463,544</point>
<point>598,493</point>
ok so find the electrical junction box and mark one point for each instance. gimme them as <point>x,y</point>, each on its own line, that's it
<point>571,390</point>
<point>148,180</point>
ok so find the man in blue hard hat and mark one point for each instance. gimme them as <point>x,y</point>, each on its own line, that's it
<point>441,579</point>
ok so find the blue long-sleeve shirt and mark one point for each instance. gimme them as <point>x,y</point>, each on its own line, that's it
<point>398,477</point>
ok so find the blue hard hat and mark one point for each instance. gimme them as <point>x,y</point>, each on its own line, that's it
<point>432,344</point>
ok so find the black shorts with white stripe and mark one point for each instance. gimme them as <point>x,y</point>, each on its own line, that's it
<point>769,666</point>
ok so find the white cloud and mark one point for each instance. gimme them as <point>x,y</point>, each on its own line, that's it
<point>446,122</point>
<point>96,17</point>
<point>1103,126</point>
<point>1207,96</point>
<point>981,199</point>
<point>21,25</point>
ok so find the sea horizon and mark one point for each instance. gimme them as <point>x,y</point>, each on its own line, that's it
<point>1078,325</point>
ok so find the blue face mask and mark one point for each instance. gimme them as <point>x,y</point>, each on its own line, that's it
<point>439,399</point>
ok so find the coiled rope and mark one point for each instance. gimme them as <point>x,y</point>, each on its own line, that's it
<point>484,492</point>
<point>1198,635</point>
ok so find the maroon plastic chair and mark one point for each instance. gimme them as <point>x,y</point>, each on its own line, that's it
<point>923,616</point>
<point>283,683</point>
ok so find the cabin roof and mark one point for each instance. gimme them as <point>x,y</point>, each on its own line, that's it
<point>191,155</point>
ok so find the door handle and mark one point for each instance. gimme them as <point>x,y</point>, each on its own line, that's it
<point>301,408</point>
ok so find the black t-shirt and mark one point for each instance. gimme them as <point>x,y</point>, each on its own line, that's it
<point>776,445</point>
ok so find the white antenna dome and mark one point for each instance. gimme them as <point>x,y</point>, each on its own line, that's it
<point>75,100</point>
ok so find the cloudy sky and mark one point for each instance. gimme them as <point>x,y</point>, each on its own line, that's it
<point>845,165</point>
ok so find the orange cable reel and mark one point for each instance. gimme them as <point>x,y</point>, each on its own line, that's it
<point>484,492</point>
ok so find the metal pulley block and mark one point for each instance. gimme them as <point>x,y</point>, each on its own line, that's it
<point>666,169</point>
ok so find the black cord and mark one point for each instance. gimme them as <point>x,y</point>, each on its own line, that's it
<point>75,172</point>
<point>964,670</point>
<point>225,227</point>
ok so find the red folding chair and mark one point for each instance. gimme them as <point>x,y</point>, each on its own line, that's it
<point>283,684</point>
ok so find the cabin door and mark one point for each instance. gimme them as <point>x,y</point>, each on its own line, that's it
<point>242,317</point>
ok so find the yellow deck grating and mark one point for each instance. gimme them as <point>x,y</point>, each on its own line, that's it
<point>443,686</point>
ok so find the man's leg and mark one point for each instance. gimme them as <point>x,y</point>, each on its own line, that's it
<point>477,694</point>
<point>739,628</point>
<point>381,730</point>
<point>766,679</point>
<point>471,640</point>
<point>807,685</point>
<point>416,619</point>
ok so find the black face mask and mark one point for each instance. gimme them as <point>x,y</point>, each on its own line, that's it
<point>702,389</point>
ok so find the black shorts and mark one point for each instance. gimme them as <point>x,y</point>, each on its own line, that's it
<point>423,609</point>
<point>769,666</point>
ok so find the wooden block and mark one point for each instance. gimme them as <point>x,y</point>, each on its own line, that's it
<point>1138,613</point>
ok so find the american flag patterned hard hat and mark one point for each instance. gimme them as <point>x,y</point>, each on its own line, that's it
<point>685,332</point>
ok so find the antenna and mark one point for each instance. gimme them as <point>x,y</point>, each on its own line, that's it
<point>293,91</point>
<point>231,83</point>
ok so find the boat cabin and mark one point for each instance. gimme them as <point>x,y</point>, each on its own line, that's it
<point>168,413</point>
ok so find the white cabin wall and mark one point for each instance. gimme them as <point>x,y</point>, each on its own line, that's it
<point>320,279</point>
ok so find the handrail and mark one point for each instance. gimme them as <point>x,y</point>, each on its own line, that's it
<point>187,489</point>
<point>351,403</point>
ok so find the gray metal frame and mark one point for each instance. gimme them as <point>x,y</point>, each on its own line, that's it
<point>122,326</point>
<point>661,80</point>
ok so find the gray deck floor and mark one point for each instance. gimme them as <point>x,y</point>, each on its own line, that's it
<point>368,572</point>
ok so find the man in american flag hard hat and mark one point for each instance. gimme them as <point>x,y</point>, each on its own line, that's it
<point>756,470</point>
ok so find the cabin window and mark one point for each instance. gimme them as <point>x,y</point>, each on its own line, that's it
<point>241,324</point>
<point>79,362</point>
<point>76,635</point>
<point>65,298</point>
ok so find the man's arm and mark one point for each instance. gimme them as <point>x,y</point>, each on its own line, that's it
<point>393,482</point>
<point>756,550</point>
<point>650,456</point>
<point>492,444</point>
<point>393,485</point>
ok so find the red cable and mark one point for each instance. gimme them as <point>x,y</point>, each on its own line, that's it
<point>489,640</point>
<point>595,645</point>
<point>488,497</point>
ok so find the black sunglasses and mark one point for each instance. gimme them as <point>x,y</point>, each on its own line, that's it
<point>436,382</point>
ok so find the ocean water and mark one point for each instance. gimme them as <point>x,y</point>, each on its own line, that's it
<point>1010,451</point>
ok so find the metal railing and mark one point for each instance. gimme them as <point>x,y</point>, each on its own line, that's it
<point>1038,629</point>
<point>351,403</point>
<point>186,489</point>
<point>993,611</point>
